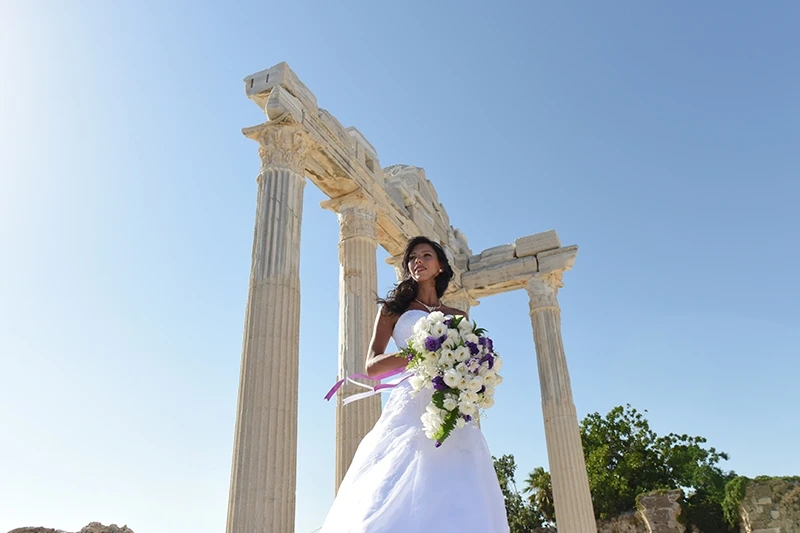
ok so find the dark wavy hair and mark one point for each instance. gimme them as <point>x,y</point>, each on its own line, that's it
<point>401,296</point>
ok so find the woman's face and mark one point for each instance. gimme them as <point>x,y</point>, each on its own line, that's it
<point>423,264</point>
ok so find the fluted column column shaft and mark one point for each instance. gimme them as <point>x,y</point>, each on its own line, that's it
<point>358,286</point>
<point>262,495</point>
<point>572,499</point>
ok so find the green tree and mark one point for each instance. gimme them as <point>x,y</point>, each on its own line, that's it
<point>625,458</point>
<point>522,517</point>
<point>540,489</point>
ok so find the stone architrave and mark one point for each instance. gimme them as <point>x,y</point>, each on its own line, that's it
<point>358,286</point>
<point>571,496</point>
<point>263,479</point>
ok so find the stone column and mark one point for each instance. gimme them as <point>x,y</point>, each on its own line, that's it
<point>573,502</point>
<point>459,300</point>
<point>358,287</point>
<point>262,495</point>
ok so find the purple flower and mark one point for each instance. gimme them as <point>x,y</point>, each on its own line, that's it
<point>473,348</point>
<point>432,344</point>
<point>490,358</point>
<point>467,418</point>
<point>438,383</point>
<point>443,338</point>
<point>449,322</point>
<point>483,389</point>
<point>438,444</point>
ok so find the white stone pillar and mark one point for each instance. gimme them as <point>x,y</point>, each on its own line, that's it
<point>572,499</point>
<point>262,495</point>
<point>459,300</point>
<point>358,288</point>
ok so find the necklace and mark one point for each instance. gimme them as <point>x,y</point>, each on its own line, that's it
<point>430,308</point>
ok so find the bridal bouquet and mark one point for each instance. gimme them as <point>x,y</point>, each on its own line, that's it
<point>455,358</point>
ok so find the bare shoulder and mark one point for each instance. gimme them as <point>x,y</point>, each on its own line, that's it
<point>386,318</point>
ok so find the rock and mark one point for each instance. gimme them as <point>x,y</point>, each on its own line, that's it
<point>92,527</point>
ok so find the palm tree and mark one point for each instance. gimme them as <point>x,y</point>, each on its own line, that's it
<point>540,488</point>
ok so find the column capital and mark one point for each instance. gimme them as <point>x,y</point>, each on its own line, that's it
<point>358,215</point>
<point>543,291</point>
<point>397,262</point>
<point>281,145</point>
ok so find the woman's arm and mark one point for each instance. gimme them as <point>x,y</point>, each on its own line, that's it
<point>378,362</point>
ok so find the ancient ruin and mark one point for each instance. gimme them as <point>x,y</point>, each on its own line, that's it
<point>375,206</point>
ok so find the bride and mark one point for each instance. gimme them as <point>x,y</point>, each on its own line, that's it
<point>399,482</point>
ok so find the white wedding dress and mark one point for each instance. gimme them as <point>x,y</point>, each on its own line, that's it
<point>399,482</point>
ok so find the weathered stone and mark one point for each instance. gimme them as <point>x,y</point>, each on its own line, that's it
<point>499,278</point>
<point>571,497</point>
<point>92,527</point>
<point>358,284</point>
<point>771,505</point>
<point>559,260</point>
<point>97,527</point>
<point>660,511</point>
<point>539,242</point>
<point>258,86</point>
<point>627,523</point>
<point>492,256</point>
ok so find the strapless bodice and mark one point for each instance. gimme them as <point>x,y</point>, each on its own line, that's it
<point>404,327</point>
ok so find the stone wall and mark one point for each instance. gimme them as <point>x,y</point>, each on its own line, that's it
<point>658,513</point>
<point>771,506</point>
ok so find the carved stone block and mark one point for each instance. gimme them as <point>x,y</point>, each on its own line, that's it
<point>540,242</point>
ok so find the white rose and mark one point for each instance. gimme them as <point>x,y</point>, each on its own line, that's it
<point>463,383</point>
<point>460,422</point>
<point>449,343</point>
<point>429,366</point>
<point>471,337</point>
<point>453,335</point>
<point>462,353</point>
<point>475,384</point>
<point>450,404</point>
<point>498,363</point>
<point>451,378</point>
<point>468,396</point>
<point>498,380</point>
<point>448,357</point>
<point>436,316</point>
<point>489,391</point>
<point>438,329</point>
<point>466,326</point>
<point>416,382</point>
<point>487,402</point>
<point>490,378</point>
<point>418,340</point>
<point>462,368</point>
<point>467,408</point>
<point>432,409</point>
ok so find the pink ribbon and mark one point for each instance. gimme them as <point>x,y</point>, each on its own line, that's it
<point>372,390</point>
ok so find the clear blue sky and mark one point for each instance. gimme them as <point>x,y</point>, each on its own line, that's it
<point>662,138</point>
